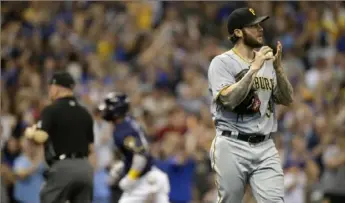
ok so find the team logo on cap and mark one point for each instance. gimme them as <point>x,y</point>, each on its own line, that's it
<point>252,11</point>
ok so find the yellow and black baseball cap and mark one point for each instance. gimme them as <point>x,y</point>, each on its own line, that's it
<point>243,17</point>
<point>63,79</point>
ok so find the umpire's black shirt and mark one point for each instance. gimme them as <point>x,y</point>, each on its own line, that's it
<point>69,126</point>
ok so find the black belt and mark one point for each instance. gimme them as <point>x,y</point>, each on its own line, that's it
<point>251,138</point>
<point>66,156</point>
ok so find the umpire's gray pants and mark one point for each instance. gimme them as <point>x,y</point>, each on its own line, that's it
<point>237,163</point>
<point>69,179</point>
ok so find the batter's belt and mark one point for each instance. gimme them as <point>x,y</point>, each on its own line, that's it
<point>250,138</point>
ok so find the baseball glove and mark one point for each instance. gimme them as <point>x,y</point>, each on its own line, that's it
<point>251,104</point>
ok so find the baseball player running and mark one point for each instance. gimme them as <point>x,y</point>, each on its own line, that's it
<point>140,181</point>
<point>245,84</point>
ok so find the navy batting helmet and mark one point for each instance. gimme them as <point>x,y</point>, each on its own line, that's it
<point>115,105</point>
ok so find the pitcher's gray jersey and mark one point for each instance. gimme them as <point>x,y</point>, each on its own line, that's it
<point>221,74</point>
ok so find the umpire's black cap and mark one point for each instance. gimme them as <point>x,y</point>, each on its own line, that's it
<point>243,17</point>
<point>63,79</point>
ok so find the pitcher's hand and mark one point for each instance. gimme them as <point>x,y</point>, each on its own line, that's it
<point>261,56</point>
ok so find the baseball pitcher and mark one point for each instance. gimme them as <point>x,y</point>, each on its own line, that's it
<point>246,83</point>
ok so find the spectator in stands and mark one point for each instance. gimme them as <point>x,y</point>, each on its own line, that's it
<point>179,164</point>
<point>101,189</point>
<point>333,178</point>
<point>103,158</point>
<point>9,153</point>
<point>294,183</point>
<point>103,140</point>
<point>28,170</point>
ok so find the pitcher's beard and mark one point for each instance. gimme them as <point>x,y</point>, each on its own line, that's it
<point>251,42</point>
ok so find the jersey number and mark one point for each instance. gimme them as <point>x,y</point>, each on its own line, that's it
<point>269,109</point>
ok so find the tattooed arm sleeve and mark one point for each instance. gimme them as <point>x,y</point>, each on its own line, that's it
<point>283,91</point>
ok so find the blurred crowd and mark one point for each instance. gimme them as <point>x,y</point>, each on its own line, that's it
<point>158,53</point>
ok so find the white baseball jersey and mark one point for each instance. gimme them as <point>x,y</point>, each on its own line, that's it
<point>221,74</point>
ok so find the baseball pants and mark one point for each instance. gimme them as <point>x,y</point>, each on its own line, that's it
<point>153,187</point>
<point>69,180</point>
<point>237,163</point>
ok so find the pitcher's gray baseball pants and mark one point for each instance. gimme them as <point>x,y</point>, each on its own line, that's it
<point>69,179</point>
<point>237,163</point>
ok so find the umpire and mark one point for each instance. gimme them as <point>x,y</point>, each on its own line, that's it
<point>69,128</point>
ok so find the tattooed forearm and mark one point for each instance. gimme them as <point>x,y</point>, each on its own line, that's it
<point>283,92</point>
<point>239,90</point>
